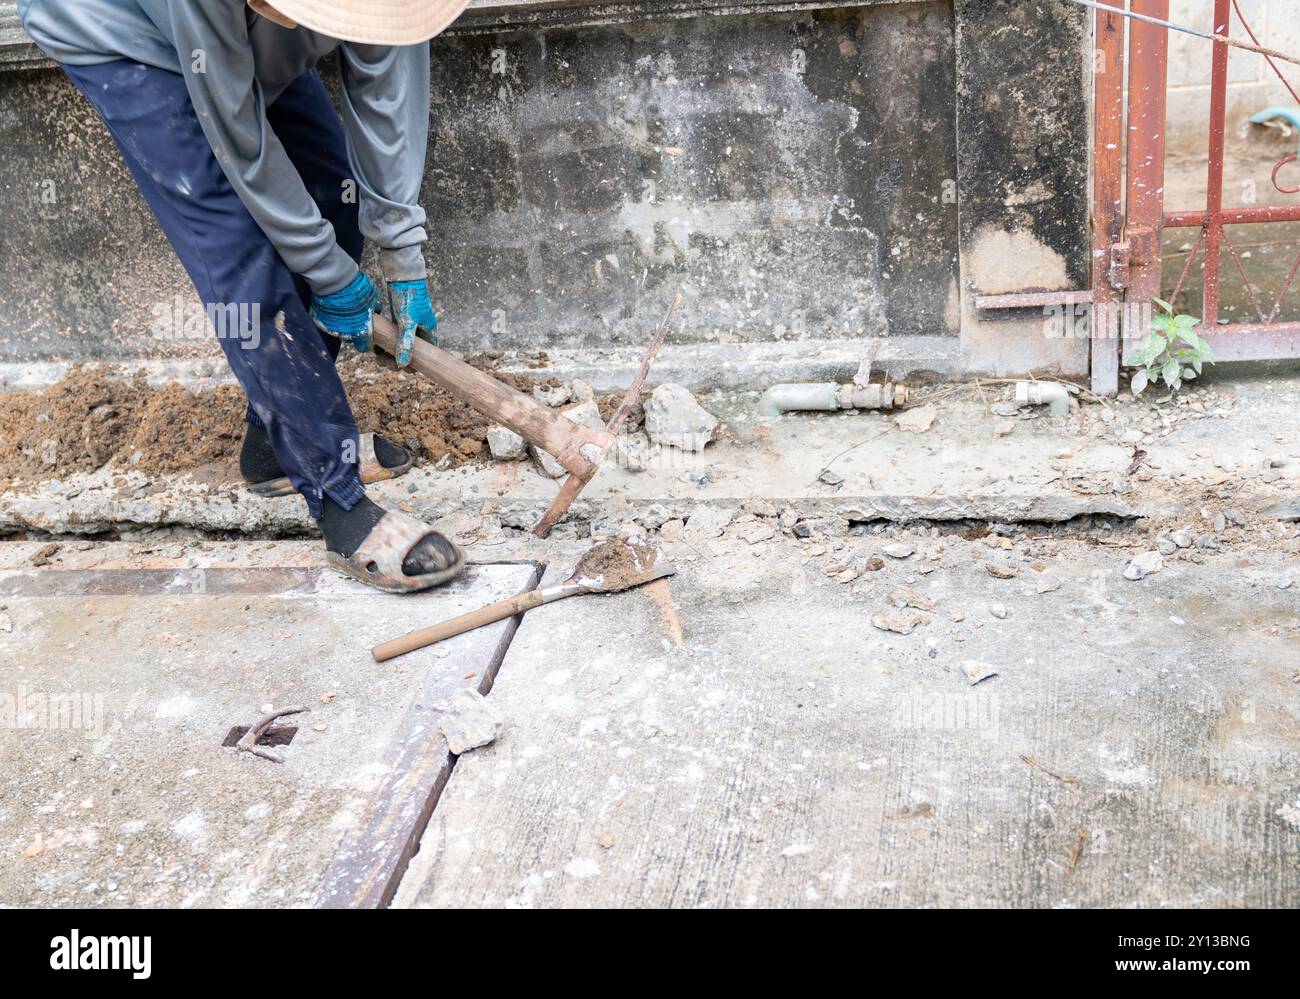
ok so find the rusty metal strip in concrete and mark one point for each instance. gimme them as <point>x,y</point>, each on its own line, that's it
<point>162,582</point>
<point>369,863</point>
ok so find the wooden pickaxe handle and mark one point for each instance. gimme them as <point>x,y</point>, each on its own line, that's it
<point>421,637</point>
<point>577,449</point>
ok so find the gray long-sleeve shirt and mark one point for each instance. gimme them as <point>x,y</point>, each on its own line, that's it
<point>235,63</point>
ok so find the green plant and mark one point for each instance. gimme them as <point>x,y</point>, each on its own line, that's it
<point>1174,352</point>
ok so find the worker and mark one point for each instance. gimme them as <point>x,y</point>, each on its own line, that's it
<point>227,129</point>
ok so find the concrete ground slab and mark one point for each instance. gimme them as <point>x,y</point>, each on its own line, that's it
<point>968,466</point>
<point>1136,747</point>
<point>120,679</point>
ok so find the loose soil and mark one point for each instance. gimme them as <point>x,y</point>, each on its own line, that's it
<point>617,564</point>
<point>90,419</point>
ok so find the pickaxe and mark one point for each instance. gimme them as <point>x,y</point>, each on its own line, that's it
<point>578,449</point>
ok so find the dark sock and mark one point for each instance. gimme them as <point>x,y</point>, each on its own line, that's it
<point>257,462</point>
<point>344,531</point>
<point>256,459</point>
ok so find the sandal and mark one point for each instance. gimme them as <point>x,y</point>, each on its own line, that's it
<point>378,559</point>
<point>369,467</point>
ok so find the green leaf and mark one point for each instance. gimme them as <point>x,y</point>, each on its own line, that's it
<point>1155,346</point>
<point>1188,374</point>
<point>1170,371</point>
<point>1164,305</point>
<point>1139,383</point>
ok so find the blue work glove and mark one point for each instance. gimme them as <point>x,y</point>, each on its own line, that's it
<point>412,310</point>
<point>347,313</point>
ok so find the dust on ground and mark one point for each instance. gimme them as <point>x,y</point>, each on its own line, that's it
<point>91,418</point>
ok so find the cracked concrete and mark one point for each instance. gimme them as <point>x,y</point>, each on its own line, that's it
<point>790,755</point>
<point>750,739</point>
<point>1050,469</point>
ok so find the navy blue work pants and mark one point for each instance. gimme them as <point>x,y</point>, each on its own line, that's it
<point>287,368</point>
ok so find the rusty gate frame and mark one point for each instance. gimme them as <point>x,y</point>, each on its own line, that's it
<point>1128,211</point>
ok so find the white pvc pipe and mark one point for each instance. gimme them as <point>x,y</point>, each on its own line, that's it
<point>1052,394</point>
<point>783,398</point>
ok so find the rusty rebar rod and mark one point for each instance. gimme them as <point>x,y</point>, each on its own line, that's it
<point>248,744</point>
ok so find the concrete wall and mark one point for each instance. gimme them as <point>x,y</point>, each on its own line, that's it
<point>1252,85</point>
<point>808,177</point>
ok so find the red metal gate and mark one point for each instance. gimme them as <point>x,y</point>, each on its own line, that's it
<point>1129,215</point>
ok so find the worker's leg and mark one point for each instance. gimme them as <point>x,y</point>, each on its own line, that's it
<point>306,124</point>
<point>282,364</point>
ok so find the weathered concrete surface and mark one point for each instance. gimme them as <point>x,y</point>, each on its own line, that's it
<point>1048,469</point>
<point>121,795</point>
<point>796,174</point>
<point>697,365</point>
<point>792,755</point>
<point>1019,231</point>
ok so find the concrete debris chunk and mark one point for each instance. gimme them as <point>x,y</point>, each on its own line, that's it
<point>1144,565</point>
<point>673,418</point>
<point>978,672</point>
<point>580,391</point>
<point>471,721</point>
<point>902,550</point>
<point>505,444</point>
<point>1000,571</point>
<point>759,507</point>
<point>654,517</point>
<point>631,451</point>
<point>708,522</point>
<point>758,532</point>
<point>672,530</point>
<point>43,554</point>
<point>999,611</point>
<point>902,620</point>
<point>905,596</point>
<point>551,395</point>
<point>1047,585</point>
<point>918,420</point>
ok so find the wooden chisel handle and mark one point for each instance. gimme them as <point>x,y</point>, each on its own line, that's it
<point>421,637</point>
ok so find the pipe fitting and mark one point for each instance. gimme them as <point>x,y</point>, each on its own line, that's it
<point>1054,395</point>
<point>829,396</point>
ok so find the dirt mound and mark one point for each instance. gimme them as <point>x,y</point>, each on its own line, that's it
<point>90,419</point>
<point>616,564</point>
